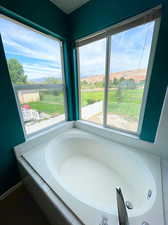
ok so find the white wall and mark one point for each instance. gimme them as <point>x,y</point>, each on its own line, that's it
<point>162,133</point>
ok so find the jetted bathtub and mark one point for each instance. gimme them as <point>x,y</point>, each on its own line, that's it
<point>84,171</point>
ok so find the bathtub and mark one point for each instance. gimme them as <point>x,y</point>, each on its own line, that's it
<point>84,169</point>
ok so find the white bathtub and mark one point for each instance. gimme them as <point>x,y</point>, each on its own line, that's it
<point>84,170</point>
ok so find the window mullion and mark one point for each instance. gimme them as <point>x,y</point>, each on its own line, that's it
<point>106,81</point>
<point>64,82</point>
<point>20,111</point>
<point>79,85</point>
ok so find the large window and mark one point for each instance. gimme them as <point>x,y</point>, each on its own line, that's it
<point>113,73</point>
<point>92,69</point>
<point>35,67</point>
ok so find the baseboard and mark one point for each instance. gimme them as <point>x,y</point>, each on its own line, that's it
<point>10,190</point>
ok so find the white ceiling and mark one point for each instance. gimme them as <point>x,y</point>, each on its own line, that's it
<point>69,6</point>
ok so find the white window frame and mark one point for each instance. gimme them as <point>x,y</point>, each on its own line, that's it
<point>153,14</point>
<point>59,87</point>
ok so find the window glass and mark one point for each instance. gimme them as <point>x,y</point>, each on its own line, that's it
<point>128,60</point>
<point>92,74</point>
<point>130,52</point>
<point>34,63</point>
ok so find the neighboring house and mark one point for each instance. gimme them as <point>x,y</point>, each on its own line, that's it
<point>26,96</point>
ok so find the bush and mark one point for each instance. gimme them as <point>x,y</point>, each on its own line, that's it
<point>55,93</point>
<point>119,95</point>
<point>42,96</point>
<point>90,101</point>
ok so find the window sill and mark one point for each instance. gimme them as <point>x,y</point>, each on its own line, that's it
<point>120,137</point>
<point>110,130</point>
<point>42,137</point>
<point>61,125</point>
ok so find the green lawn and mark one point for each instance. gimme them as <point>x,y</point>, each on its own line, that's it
<point>51,109</point>
<point>50,104</point>
<point>59,99</point>
<point>127,104</point>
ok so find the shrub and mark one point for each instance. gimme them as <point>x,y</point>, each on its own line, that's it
<point>90,101</point>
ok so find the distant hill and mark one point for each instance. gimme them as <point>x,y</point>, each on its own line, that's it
<point>38,80</point>
<point>41,79</point>
<point>137,75</point>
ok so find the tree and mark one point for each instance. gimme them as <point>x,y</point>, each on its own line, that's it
<point>84,84</point>
<point>119,94</point>
<point>115,82</point>
<point>16,72</point>
<point>120,87</point>
<point>127,84</point>
<point>131,84</point>
<point>99,84</point>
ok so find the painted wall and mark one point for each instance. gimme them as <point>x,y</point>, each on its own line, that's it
<point>45,14</point>
<point>95,16</point>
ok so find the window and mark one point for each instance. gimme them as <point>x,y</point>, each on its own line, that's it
<point>113,74</point>
<point>35,67</point>
<point>129,57</point>
<point>92,71</point>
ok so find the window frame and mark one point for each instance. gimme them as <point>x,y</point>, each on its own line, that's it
<point>153,14</point>
<point>16,88</point>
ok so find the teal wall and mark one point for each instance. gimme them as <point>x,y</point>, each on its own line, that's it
<point>69,80</point>
<point>158,83</point>
<point>11,132</point>
<point>41,12</point>
<point>48,17</point>
<point>97,15</point>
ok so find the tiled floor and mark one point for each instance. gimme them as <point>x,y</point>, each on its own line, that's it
<point>19,209</point>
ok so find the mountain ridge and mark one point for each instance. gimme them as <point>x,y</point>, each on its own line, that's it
<point>138,75</point>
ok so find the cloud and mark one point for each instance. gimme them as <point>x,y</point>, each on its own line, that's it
<point>130,50</point>
<point>92,58</point>
<point>27,45</point>
<point>34,71</point>
<point>16,48</point>
<point>26,35</point>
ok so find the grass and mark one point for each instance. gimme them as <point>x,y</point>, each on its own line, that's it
<point>50,104</point>
<point>129,110</point>
<point>127,104</point>
<point>59,99</point>
<point>51,109</point>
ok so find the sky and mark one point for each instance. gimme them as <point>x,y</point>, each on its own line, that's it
<point>130,50</point>
<point>40,55</point>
